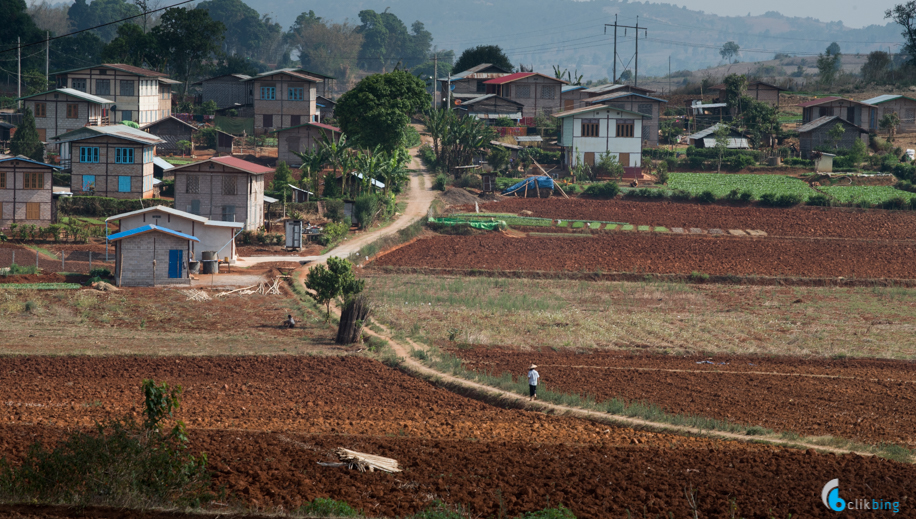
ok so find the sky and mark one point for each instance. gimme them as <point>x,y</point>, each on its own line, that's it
<point>853,13</point>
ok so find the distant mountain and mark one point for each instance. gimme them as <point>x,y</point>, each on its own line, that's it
<point>543,33</point>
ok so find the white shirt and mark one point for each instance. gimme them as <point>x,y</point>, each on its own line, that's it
<point>533,377</point>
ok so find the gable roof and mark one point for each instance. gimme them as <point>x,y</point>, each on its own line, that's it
<point>234,163</point>
<point>150,228</point>
<point>75,93</point>
<point>159,208</point>
<point>571,88</point>
<point>479,70</point>
<point>709,131</point>
<point>130,69</point>
<point>517,76</point>
<point>489,96</point>
<point>885,98</point>
<point>617,95</point>
<point>7,158</point>
<point>294,72</point>
<point>240,77</point>
<point>608,87</point>
<point>829,99</point>
<point>121,131</point>
<point>585,109</point>
<point>316,125</point>
<point>162,163</point>
<point>821,121</point>
<point>164,119</point>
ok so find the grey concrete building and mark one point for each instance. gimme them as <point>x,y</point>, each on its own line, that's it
<point>61,110</point>
<point>650,107</point>
<point>150,256</point>
<point>222,188</point>
<point>815,134</point>
<point>903,106</point>
<point>25,192</point>
<point>228,91</point>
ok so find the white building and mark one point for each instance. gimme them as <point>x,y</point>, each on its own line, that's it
<point>214,235</point>
<point>591,132</point>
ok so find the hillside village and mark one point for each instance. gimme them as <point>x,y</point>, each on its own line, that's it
<point>243,274</point>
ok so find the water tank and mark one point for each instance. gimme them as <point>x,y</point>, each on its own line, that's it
<point>208,255</point>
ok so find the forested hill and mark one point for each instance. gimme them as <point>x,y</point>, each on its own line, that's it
<point>543,33</point>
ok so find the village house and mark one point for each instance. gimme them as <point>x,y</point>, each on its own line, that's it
<point>650,107</point>
<point>707,138</point>
<point>469,83</point>
<point>138,94</point>
<point>814,135</point>
<point>756,90</point>
<point>171,130</point>
<point>855,112</point>
<point>214,235</point>
<point>227,189</point>
<point>284,98</point>
<point>25,192</point>
<point>113,161</point>
<point>61,110</point>
<point>589,133</point>
<point>573,96</point>
<point>611,88</point>
<point>903,106</point>
<point>150,256</point>
<point>490,107</point>
<point>539,93</point>
<point>326,108</point>
<point>303,138</point>
<point>227,91</point>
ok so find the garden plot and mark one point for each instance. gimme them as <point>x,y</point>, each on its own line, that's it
<point>870,195</point>
<point>721,185</point>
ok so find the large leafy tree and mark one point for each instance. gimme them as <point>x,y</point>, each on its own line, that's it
<point>729,51</point>
<point>483,54</point>
<point>876,66</point>
<point>387,41</point>
<point>25,141</point>
<point>759,119</point>
<point>85,47</point>
<point>16,22</point>
<point>326,48</point>
<point>186,37</point>
<point>133,47</point>
<point>84,16</point>
<point>376,112</point>
<point>246,31</point>
<point>905,16</point>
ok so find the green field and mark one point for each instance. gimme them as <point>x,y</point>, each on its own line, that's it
<point>720,184</point>
<point>873,195</point>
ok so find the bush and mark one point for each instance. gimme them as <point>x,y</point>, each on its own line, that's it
<point>365,208</point>
<point>645,192</point>
<point>439,510</point>
<point>325,507</point>
<point>411,137</point>
<point>713,154</point>
<point>699,277</point>
<point>100,272</point>
<point>680,195</point>
<point>800,163</point>
<point>440,182</point>
<point>672,163</point>
<point>333,231</point>
<point>897,203</point>
<point>706,197</point>
<point>471,180</point>
<point>15,270</point>
<point>784,200</point>
<point>334,210</point>
<point>738,162</point>
<point>427,155</point>
<point>662,173</point>
<point>603,190</point>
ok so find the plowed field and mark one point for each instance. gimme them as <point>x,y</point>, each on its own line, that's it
<point>871,401</point>
<point>797,221</point>
<point>266,422</point>
<point>661,254</point>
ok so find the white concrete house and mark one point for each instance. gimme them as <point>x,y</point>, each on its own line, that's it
<point>590,132</point>
<point>213,235</point>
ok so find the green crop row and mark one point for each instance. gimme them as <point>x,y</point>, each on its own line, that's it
<point>721,185</point>
<point>866,195</point>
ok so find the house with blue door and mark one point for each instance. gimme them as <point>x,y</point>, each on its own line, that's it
<point>151,256</point>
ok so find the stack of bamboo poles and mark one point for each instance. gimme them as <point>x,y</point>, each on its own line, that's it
<point>365,462</point>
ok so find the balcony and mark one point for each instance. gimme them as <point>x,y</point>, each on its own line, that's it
<point>98,121</point>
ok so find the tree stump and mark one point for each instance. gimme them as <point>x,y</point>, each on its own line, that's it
<point>354,314</point>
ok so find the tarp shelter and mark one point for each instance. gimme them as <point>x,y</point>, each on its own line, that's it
<point>534,185</point>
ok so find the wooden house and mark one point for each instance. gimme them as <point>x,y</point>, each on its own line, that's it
<point>855,112</point>
<point>538,93</point>
<point>25,192</point>
<point>707,139</point>
<point>227,189</point>
<point>113,161</point>
<point>325,107</point>
<point>469,83</point>
<point>227,91</point>
<point>490,107</point>
<point>903,106</point>
<point>815,134</point>
<point>650,107</point>
<point>590,132</point>
<point>284,98</point>
<point>171,130</point>
<point>302,138</point>
<point>573,96</point>
<point>756,90</point>
<point>62,110</point>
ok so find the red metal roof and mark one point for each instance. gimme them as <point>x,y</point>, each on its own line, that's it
<point>508,79</point>
<point>326,127</point>
<point>244,165</point>
<point>816,102</point>
<point>136,70</point>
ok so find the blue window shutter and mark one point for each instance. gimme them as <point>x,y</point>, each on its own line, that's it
<point>117,155</point>
<point>87,181</point>
<point>82,154</point>
<point>124,184</point>
<point>95,152</point>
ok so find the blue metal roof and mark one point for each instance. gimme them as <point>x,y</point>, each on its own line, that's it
<point>149,228</point>
<point>5,158</point>
<point>885,98</point>
<point>570,88</point>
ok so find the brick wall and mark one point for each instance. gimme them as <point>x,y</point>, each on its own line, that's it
<point>14,198</point>
<point>282,108</point>
<point>134,260</point>
<point>304,138</point>
<point>106,171</point>
<point>248,200</point>
<point>56,121</point>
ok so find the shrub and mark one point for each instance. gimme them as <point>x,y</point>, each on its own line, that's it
<point>15,270</point>
<point>471,180</point>
<point>699,277</point>
<point>440,182</point>
<point>784,200</point>
<point>439,510</point>
<point>897,203</point>
<point>797,162</point>
<point>819,200</point>
<point>706,197</point>
<point>738,162</point>
<point>365,208</point>
<point>696,162</point>
<point>100,272</point>
<point>680,194</point>
<point>333,231</point>
<point>603,190</point>
<point>713,154</point>
<point>672,163</point>
<point>334,210</point>
<point>645,192</point>
<point>662,173</point>
<point>325,507</point>
<point>427,155</point>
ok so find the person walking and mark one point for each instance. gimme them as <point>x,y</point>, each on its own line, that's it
<point>533,377</point>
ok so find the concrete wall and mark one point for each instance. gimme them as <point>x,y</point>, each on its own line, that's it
<point>148,101</point>
<point>808,141</point>
<point>248,200</point>
<point>606,142</point>
<point>14,199</point>
<point>134,260</point>
<point>55,122</point>
<point>282,108</point>
<point>212,237</point>
<point>304,138</point>
<point>904,108</point>
<point>645,106</point>
<point>227,91</point>
<point>106,171</point>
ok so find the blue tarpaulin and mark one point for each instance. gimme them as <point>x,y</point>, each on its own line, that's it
<point>543,182</point>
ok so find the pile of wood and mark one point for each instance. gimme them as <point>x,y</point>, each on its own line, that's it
<point>367,462</point>
<point>262,288</point>
<point>197,295</point>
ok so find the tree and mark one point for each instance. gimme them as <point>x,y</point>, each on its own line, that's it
<point>377,110</point>
<point>25,141</point>
<point>625,76</point>
<point>132,46</point>
<point>50,17</point>
<point>247,32</point>
<point>829,63</point>
<point>335,280</point>
<point>235,64</point>
<point>186,37</point>
<point>735,90</point>
<point>326,48</point>
<point>729,50</point>
<point>83,16</point>
<point>858,152</point>
<point>722,132</point>
<point>498,159</point>
<point>833,49</point>
<point>480,54</point>
<point>85,47</point>
<point>876,67</point>
<point>905,16</point>
<point>184,146</point>
<point>835,134</point>
<point>387,42</point>
<point>759,119</point>
<point>282,179</point>
<point>670,130</point>
<point>16,22</point>
<point>889,123</point>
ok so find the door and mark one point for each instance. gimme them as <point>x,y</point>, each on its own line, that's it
<point>569,104</point>
<point>175,263</point>
<point>624,159</point>
<point>268,121</point>
<point>851,114</point>
<point>43,134</point>
<point>590,158</point>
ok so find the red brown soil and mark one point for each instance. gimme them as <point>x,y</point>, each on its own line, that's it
<point>867,400</point>
<point>265,250</point>
<point>661,254</point>
<point>797,221</point>
<point>42,278</point>
<point>267,422</point>
<point>76,257</point>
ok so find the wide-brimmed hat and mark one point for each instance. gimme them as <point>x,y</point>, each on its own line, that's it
<point>532,366</point>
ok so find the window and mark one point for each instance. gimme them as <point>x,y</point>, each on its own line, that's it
<point>123,184</point>
<point>625,127</point>
<point>192,185</point>
<point>268,121</point>
<point>147,183</point>
<point>33,211</point>
<point>103,87</point>
<point>41,109</point>
<point>268,93</point>
<point>124,155</point>
<point>194,207</point>
<point>481,87</point>
<point>229,185</point>
<point>78,84</point>
<point>147,155</point>
<point>228,213</point>
<point>127,115</point>
<point>89,154</point>
<point>73,111</point>
<point>295,120</point>
<point>127,88</point>
<point>2,180</point>
<point>88,182</point>
<point>548,92</point>
<point>33,180</point>
<point>523,91</point>
<point>295,94</point>
<point>589,127</point>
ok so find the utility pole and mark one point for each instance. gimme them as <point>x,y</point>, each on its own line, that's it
<point>19,70</point>
<point>636,72</point>
<point>435,80</point>
<point>47,59</point>
<point>615,25</point>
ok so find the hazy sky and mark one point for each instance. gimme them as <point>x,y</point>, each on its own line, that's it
<point>852,13</point>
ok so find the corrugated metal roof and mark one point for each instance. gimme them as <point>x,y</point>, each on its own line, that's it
<point>475,70</point>
<point>168,81</point>
<point>139,71</point>
<point>820,121</point>
<point>295,72</point>
<point>160,121</point>
<point>827,99</point>
<point>7,158</point>
<point>150,228</point>
<point>529,138</point>
<point>161,209</point>
<point>584,109</point>
<point>75,93</point>
<point>270,199</point>
<point>506,145</point>
<point>317,125</point>
<point>709,131</point>
<point>617,95</point>
<point>218,223</point>
<point>162,163</point>
<point>885,98</point>
<point>120,131</point>
<point>376,183</point>
<point>489,96</point>
<point>300,189</point>
<point>244,165</point>
<point>600,89</point>
<point>733,143</point>
<point>571,88</point>
<point>517,76</point>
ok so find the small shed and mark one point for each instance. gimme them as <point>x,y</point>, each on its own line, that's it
<point>162,169</point>
<point>224,142</point>
<point>151,255</point>
<point>823,163</point>
<point>171,130</point>
<point>300,195</point>
<point>816,134</point>
<point>488,181</point>
<point>707,138</point>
